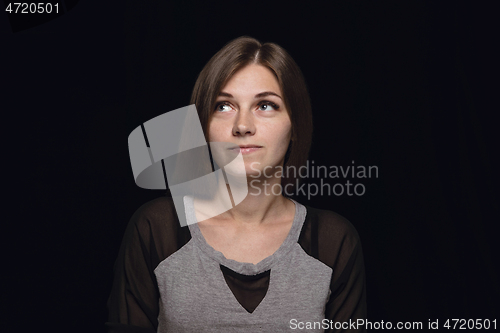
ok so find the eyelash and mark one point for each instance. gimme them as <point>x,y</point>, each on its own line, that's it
<point>273,105</point>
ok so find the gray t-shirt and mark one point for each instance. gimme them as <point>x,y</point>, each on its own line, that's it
<point>168,279</point>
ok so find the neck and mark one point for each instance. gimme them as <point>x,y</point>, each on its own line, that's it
<point>264,202</point>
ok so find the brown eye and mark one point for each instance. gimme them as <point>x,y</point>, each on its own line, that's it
<point>222,107</point>
<point>268,106</point>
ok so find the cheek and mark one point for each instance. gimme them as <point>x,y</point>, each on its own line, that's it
<point>282,137</point>
<point>214,131</point>
<point>286,134</point>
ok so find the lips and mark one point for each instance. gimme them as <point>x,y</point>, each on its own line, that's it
<point>249,146</point>
<point>246,149</point>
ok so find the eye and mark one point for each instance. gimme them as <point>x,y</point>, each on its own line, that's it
<point>222,107</point>
<point>268,106</point>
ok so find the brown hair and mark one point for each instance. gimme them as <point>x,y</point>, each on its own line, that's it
<point>241,52</point>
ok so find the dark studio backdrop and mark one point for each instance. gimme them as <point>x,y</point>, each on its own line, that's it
<point>406,87</point>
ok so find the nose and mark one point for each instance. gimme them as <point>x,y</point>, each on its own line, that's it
<point>244,124</point>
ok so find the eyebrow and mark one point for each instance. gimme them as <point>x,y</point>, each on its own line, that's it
<point>260,95</point>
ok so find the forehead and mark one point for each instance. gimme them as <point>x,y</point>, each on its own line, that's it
<point>252,79</point>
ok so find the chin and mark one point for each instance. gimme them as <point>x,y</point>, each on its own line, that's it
<point>252,172</point>
<point>253,168</point>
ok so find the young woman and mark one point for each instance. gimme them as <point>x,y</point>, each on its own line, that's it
<point>269,264</point>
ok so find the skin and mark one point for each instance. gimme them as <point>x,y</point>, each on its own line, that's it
<point>255,228</point>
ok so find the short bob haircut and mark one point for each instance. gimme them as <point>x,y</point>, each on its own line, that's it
<point>241,52</point>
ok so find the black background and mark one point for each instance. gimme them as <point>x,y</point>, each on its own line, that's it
<point>408,87</point>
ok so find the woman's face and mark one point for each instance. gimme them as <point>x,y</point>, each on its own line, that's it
<point>250,114</point>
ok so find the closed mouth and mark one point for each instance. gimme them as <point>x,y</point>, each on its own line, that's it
<point>245,147</point>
